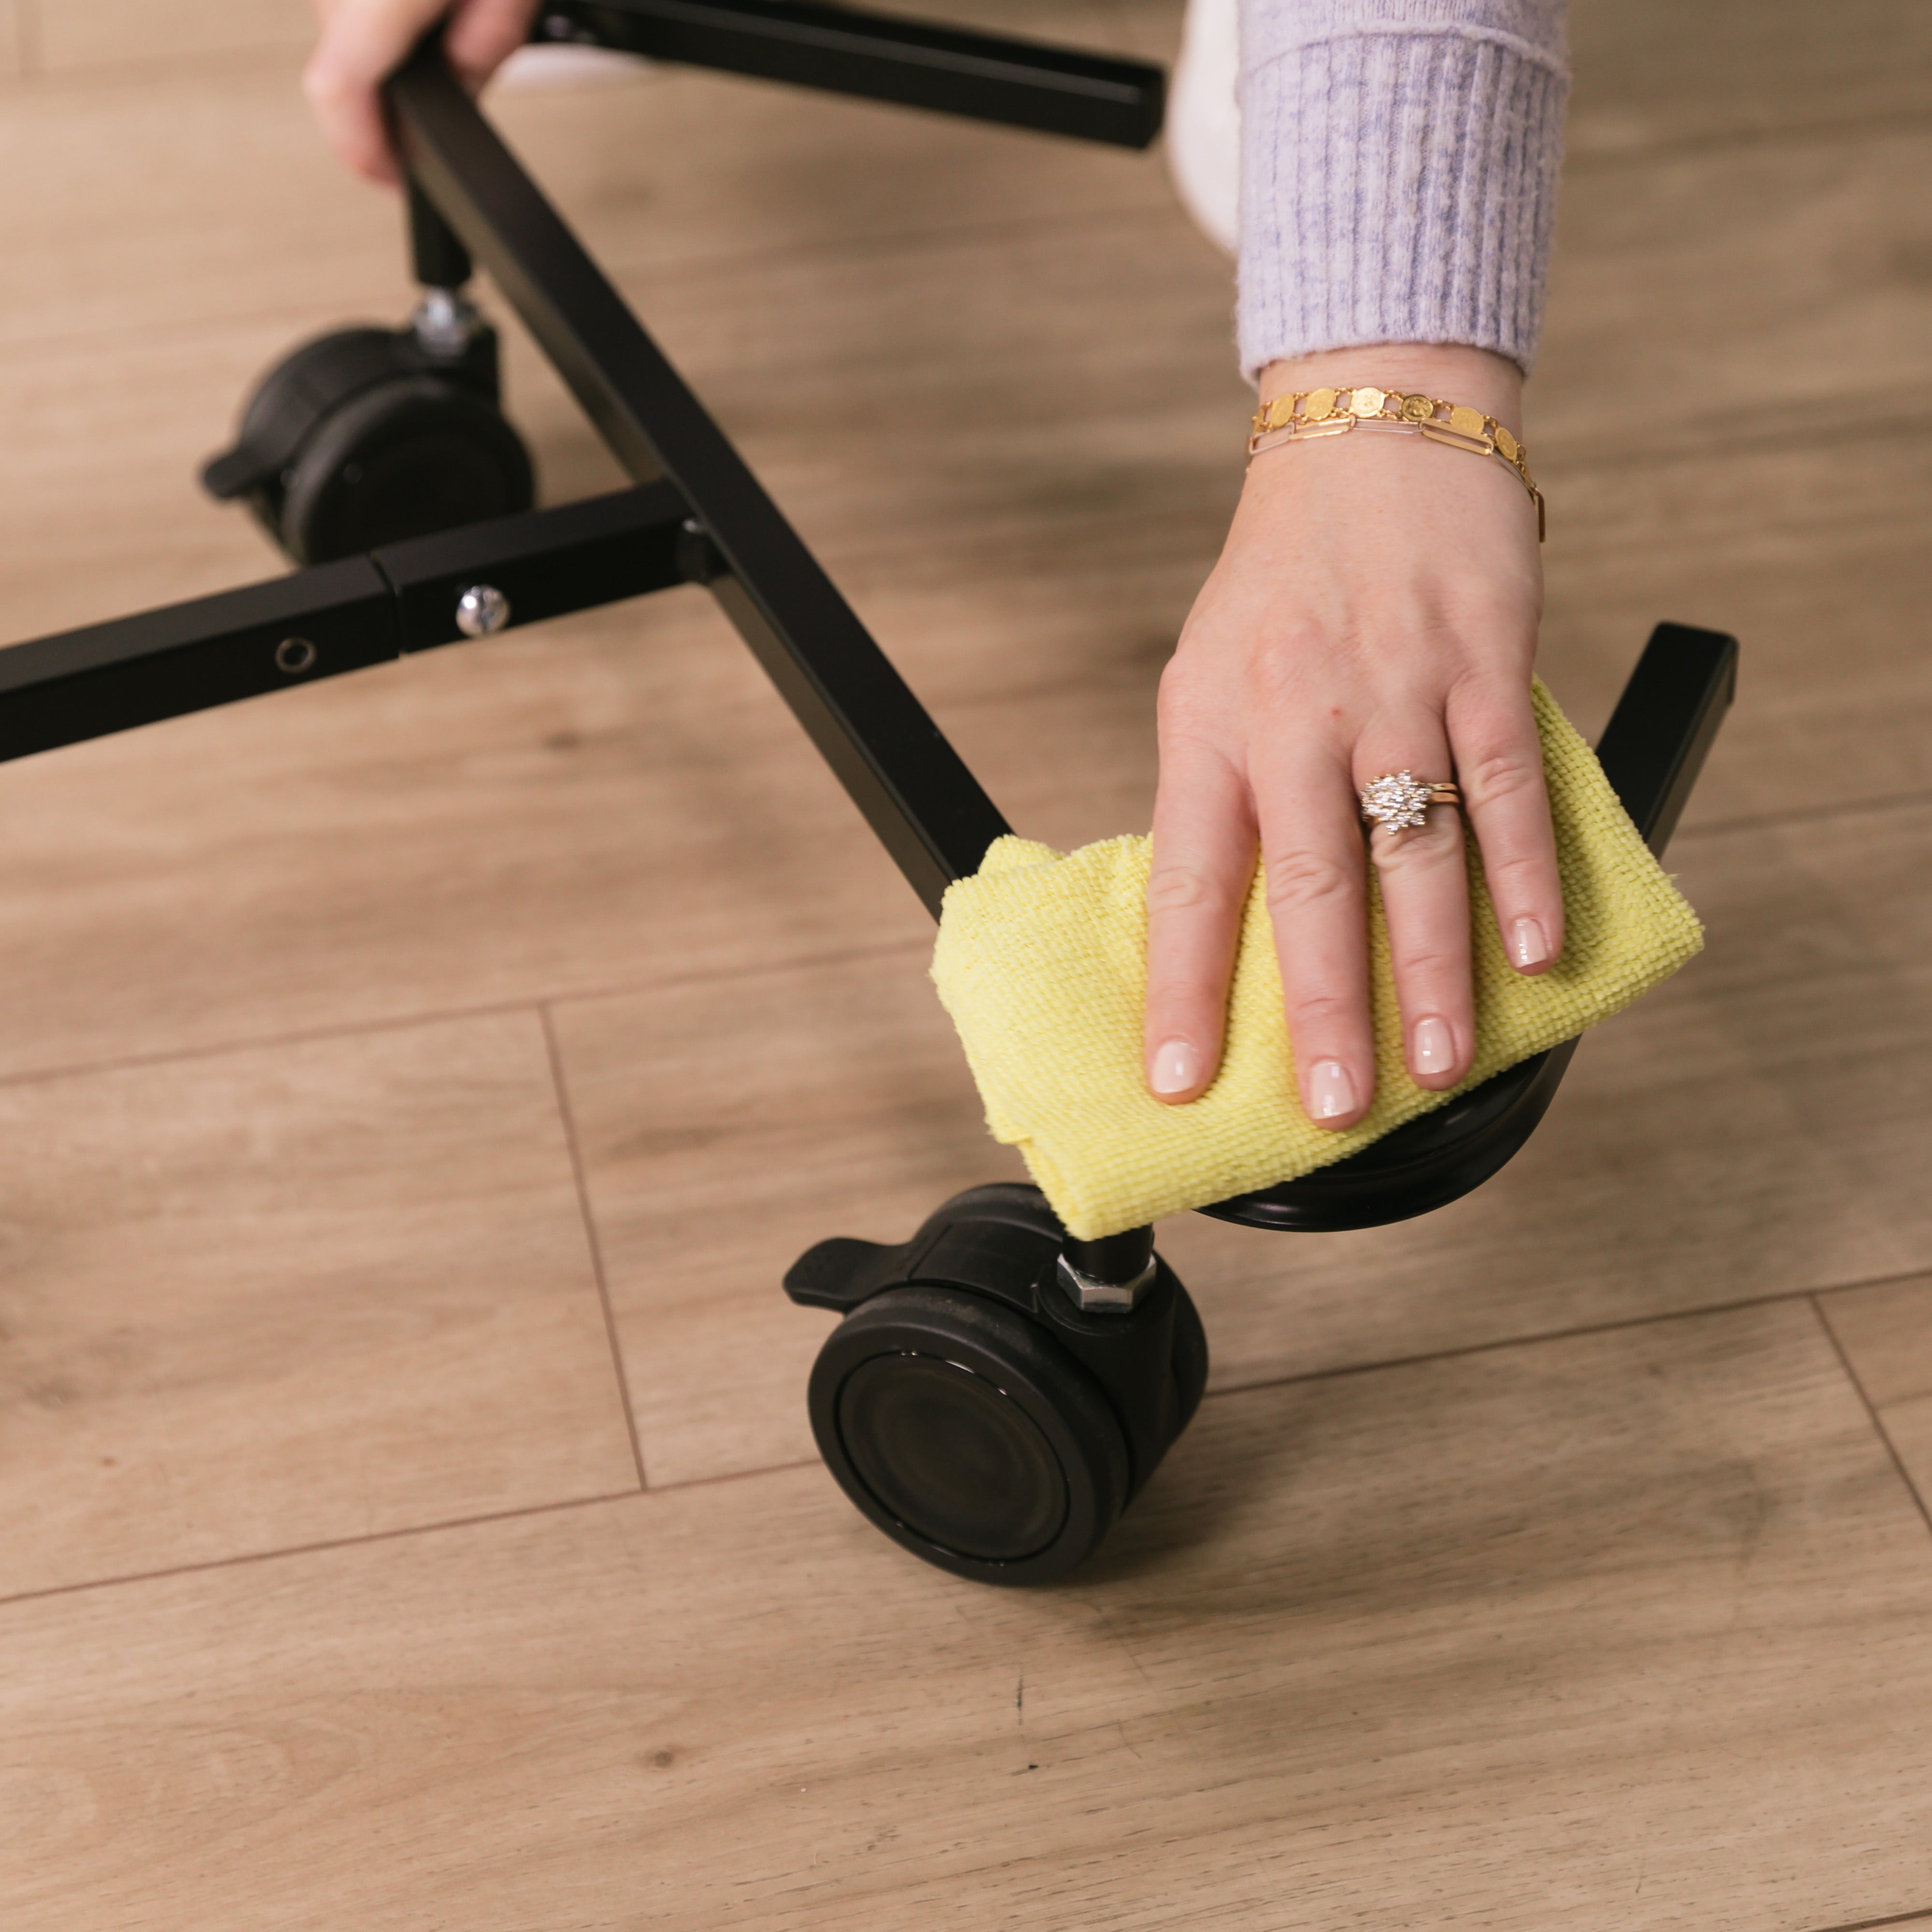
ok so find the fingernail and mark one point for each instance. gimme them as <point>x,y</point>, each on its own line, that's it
<point>1331,1092</point>
<point>1434,1046</point>
<point>1177,1067</point>
<point>1527,946</point>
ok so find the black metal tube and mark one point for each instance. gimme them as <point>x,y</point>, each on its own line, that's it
<point>546,562</point>
<point>924,805</point>
<point>188,657</point>
<point>1665,724</point>
<point>1118,1259</point>
<point>437,259</point>
<point>883,57</point>
<point>333,618</point>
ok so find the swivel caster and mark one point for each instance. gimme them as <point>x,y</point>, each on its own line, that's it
<point>973,1407</point>
<point>366,436</point>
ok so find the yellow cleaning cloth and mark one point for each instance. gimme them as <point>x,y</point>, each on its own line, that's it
<point>1042,961</point>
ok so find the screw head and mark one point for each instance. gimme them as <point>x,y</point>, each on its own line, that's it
<point>294,656</point>
<point>481,611</point>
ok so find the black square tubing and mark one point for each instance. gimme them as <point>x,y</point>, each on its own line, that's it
<point>343,617</point>
<point>946,70</point>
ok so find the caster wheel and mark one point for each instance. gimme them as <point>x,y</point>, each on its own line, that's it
<point>364,437</point>
<point>971,1410</point>
<point>968,1435</point>
<point>1190,1358</point>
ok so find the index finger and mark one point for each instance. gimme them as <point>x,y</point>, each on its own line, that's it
<point>363,41</point>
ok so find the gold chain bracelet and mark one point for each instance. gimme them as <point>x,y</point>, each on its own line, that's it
<point>1316,412</point>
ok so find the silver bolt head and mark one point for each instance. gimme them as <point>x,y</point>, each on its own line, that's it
<point>1093,1297</point>
<point>445,322</point>
<point>481,611</point>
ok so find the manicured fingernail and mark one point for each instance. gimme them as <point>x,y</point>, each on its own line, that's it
<point>1433,1047</point>
<point>1177,1067</point>
<point>1527,946</point>
<point>1331,1092</point>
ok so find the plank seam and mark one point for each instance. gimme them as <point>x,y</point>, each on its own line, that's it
<point>1874,1924</point>
<point>592,1239</point>
<point>1538,1337</point>
<point>32,1076</point>
<point>1878,1425</point>
<point>1811,1295</point>
<point>321,1547</point>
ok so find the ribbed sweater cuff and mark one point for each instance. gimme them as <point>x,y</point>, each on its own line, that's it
<point>1398,174</point>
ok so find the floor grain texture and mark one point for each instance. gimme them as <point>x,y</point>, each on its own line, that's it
<point>1628,1628</point>
<point>292,1294</point>
<point>401,1077</point>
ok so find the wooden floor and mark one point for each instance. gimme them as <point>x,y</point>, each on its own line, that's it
<point>412,1089</point>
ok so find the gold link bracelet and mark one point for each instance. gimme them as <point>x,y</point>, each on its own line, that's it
<point>1314,412</point>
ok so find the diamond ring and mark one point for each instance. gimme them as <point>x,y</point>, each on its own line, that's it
<point>1397,799</point>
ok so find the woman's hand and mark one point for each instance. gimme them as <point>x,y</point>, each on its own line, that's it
<point>363,41</point>
<point>1375,610</point>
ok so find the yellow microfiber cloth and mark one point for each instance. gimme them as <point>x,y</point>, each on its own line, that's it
<point>1042,962</point>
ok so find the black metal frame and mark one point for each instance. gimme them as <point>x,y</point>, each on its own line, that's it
<point>334,617</point>
<point>883,57</point>
<point>700,515</point>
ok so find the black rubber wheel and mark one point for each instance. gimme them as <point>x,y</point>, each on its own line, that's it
<point>967,1434</point>
<point>1190,1357</point>
<point>362,438</point>
<point>404,459</point>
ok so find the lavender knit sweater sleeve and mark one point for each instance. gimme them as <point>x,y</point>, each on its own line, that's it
<point>1399,163</point>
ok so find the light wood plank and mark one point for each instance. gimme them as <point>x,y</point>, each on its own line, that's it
<point>104,514</point>
<point>725,1127</point>
<point>1634,1624</point>
<point>1779,285</point>
<point>1812,554</point>
<point>81,34</point>
<point>84,34</point>
<point>202,196</point>
<point>1650,73</point>
<point>1811,551</point>
<point>1755,1127</point>
<point>615,805</point>
<point>266,1299</point>
<point>150,205</point>
<point>1885,1331</point>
